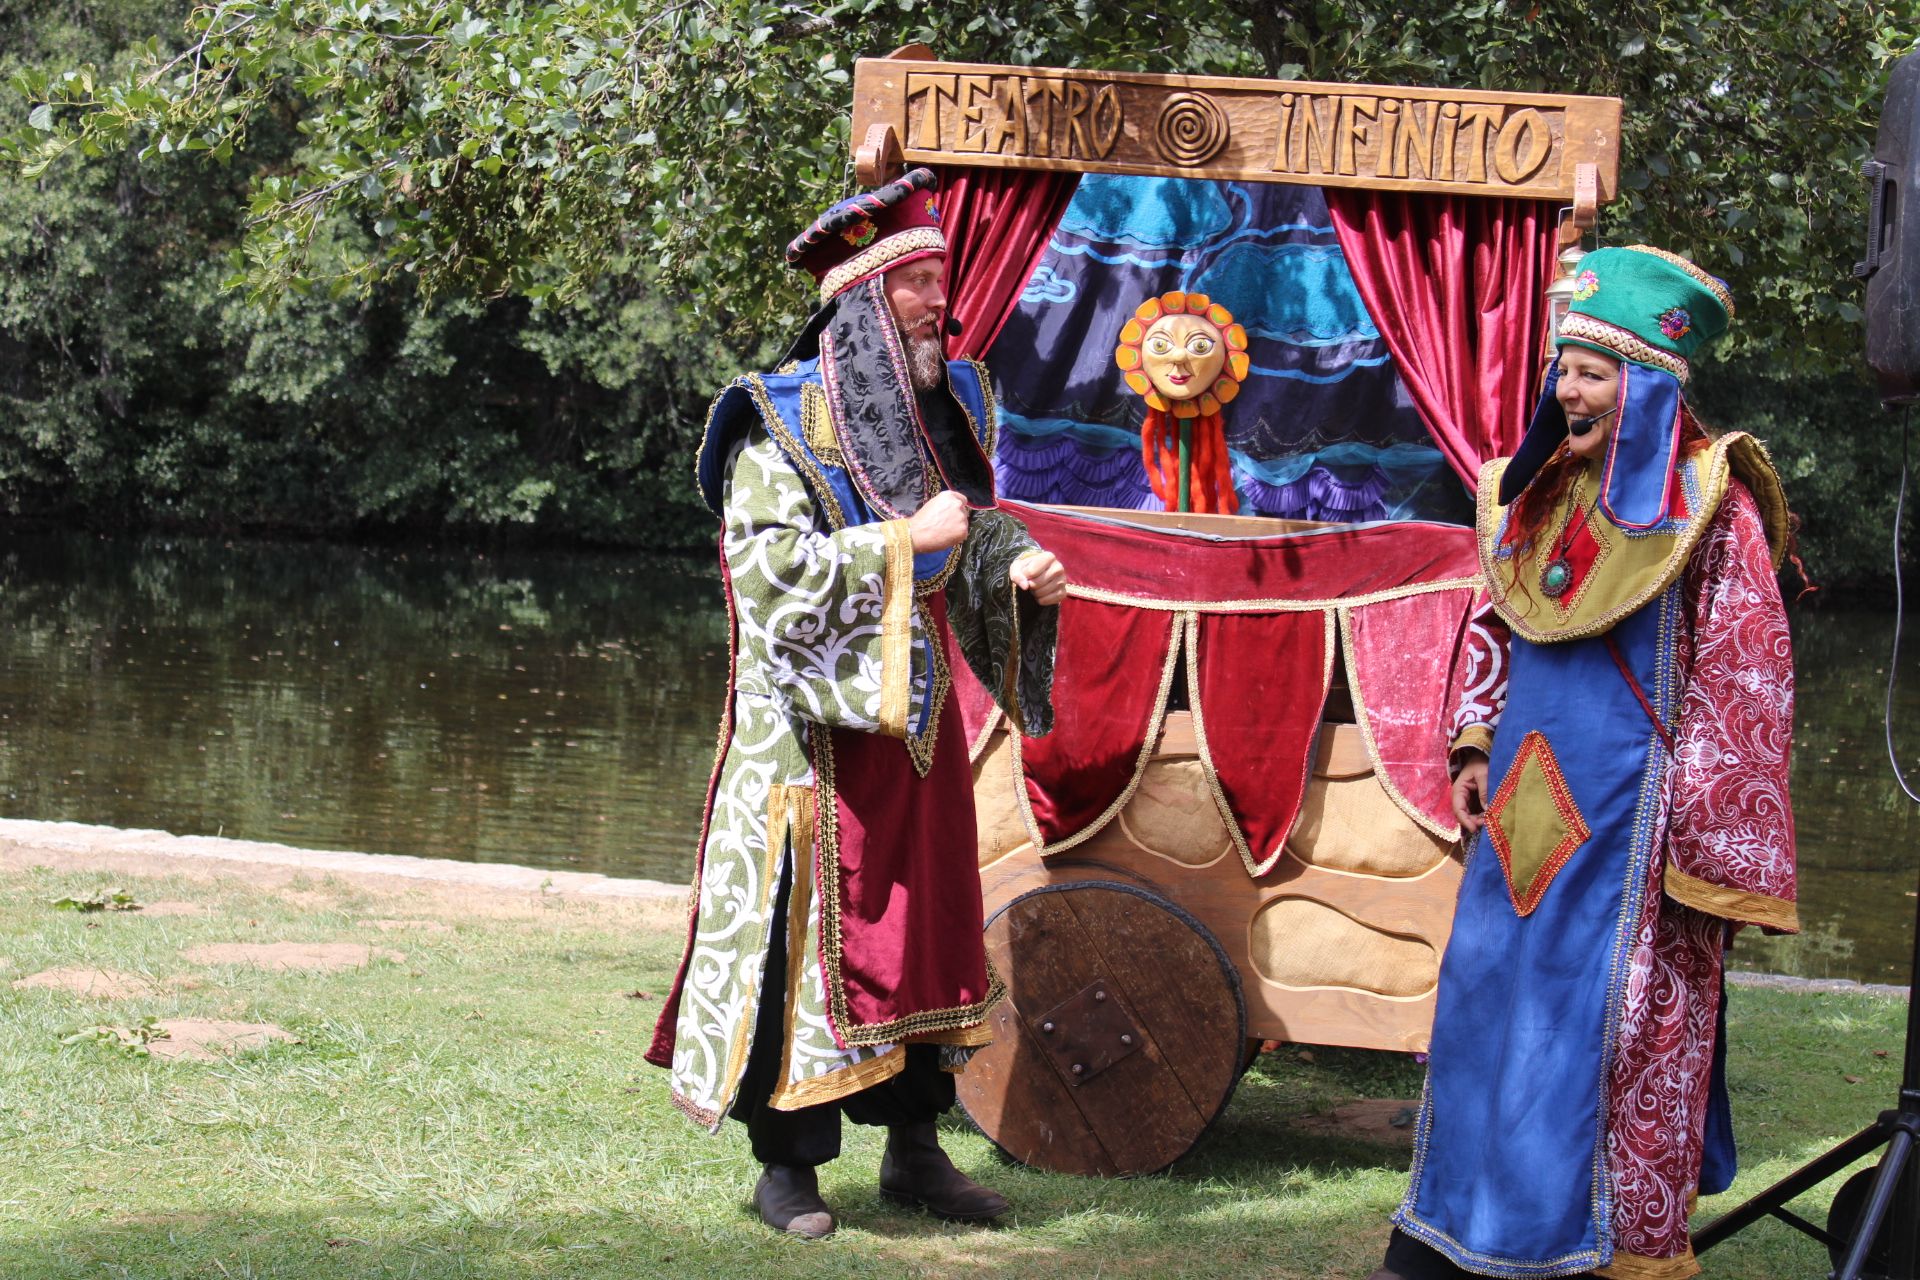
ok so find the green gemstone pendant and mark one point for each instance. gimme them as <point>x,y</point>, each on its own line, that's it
<point>1556,578</point>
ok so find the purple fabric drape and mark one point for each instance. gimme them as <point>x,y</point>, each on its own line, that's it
<point>1453,283</point>
<point>997,222</point>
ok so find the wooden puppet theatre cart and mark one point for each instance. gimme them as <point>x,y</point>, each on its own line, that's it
<point>1239,829</point>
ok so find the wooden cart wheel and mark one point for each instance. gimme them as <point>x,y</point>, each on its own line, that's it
<point>1121,1037</point>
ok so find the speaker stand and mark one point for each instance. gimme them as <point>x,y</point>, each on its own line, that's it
<point>1873,1230</point>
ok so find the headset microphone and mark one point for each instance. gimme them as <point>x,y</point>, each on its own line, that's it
<point>1580,426</point>
<point>953,327</point>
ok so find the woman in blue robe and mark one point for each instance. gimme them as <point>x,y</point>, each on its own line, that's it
<point>1622,760</point>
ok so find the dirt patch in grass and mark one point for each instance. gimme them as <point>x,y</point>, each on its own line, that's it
<point>173,909</point>
<point>93,984</point>
<point>423,926</point>
<point>1386,1121</point>
<point>308,898</point>
<point>320,957</point>
<point>205,1040</point>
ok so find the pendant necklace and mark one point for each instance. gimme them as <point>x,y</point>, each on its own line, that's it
<point>1558,575</point>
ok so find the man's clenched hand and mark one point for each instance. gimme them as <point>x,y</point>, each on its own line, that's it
<point>1041,573</point>
<point>940,523</point>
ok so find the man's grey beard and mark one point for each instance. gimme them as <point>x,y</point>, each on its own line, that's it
<point>926,362</point>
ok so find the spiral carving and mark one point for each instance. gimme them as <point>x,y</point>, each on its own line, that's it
<point>1191,129</point>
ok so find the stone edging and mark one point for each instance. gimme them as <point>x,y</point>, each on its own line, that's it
<point>1845,986</point>
<point>77,837</point>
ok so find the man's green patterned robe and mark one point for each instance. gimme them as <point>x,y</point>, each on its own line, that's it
<point>842,759</point>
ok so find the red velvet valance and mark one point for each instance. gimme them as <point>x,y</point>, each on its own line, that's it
<point>1110,676</point>
<point>1259,682</point>
<point>1257,619</point>
<point>1113,558</point>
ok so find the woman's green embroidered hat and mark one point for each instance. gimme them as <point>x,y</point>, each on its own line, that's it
<point>1646,305</point>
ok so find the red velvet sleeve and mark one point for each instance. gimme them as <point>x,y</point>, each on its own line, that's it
<point>1730,835</point>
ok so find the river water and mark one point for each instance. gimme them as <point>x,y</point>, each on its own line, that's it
<point>559,710</point>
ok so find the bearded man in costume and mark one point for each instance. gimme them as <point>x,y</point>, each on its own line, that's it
<point>835,960</point>
<point>1622,751</point>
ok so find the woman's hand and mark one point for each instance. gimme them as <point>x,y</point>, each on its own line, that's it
<point>1470,793</point>
<point>1042,574</point>
<point>941,522</point>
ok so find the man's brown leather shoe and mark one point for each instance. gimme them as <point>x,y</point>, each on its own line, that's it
<point>915,1171</point>
<point>787,1198</point>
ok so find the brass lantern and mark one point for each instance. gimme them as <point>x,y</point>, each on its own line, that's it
<point>1559,295</point>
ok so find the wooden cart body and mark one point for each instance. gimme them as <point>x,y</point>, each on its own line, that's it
<point>1146,964</point>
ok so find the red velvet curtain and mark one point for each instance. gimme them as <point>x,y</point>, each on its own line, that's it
<point>1454,284</point>
<point>997,222</point>
<point>1106,688</point>
<point>1262,684</point>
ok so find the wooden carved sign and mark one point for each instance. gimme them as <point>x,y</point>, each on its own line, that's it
<point>1331,135</point>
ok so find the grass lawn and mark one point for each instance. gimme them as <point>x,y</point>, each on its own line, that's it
<point>478,1108</point>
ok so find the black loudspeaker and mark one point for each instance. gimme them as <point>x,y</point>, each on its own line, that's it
<point>1892,268</point>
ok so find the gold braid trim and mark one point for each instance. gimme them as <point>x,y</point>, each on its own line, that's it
<point>1485,1263</point>
<point>896,630</point>
<point>1475,737</point>
<point>1176,630</point>
<point>987,437</point>
<point>987,726</point>
<point>878,257</point>
<point>1100,595</point>
<point>694,1111</point>
<point>1010,678</point>
<point>796,454</point>
<point>1737,905</point>
<point>1380,774</point>
<point>706,431</point>
<point>1625,343</point>
<point>816,425</point>
<point>1633,1266</point>
<point>975,1037</point>
<point>839,1083</point>
<point>920,746</point>
<point>799,801</point>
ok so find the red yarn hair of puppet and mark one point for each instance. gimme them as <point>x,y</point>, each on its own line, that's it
<point>1211,486</point>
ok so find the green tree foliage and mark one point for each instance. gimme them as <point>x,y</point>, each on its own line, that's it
<point>526,146</point>
<point>531,146</point>
<point>1742,136</point>
<point>1838,453</point>
<point>510,247</point>
<point>135,391</point>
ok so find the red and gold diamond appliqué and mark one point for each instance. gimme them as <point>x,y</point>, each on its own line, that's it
<point>1533,823</point>
<point>1584,554</point>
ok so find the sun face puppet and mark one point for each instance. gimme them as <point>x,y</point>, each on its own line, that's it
<point>1184,353</point>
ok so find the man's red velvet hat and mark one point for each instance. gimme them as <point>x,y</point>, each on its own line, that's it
<point>872,232</point>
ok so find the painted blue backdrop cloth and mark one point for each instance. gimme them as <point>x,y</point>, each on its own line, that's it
<point>1323,428</point>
